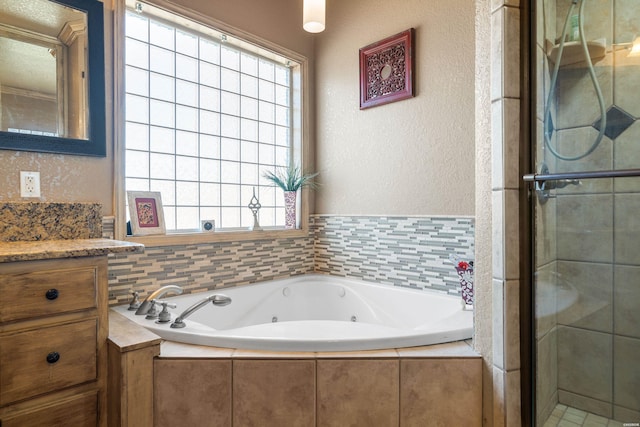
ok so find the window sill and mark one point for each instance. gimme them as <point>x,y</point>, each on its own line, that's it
<point>179,239</point>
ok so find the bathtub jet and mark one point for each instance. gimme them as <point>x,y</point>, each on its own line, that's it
<point>216,299</point>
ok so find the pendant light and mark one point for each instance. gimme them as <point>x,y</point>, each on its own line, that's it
<point>313,13</point>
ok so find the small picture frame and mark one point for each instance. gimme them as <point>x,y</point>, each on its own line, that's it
<point>386,70</point>
<point>147,216</point>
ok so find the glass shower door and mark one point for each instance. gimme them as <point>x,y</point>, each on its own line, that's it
<point>587,212</point>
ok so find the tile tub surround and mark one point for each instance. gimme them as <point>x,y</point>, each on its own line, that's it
<point>208,266</point>
<point>35,221</point>
<point>414,386</point>
<point>402,251</point>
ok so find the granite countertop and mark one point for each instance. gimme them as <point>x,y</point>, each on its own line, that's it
<point>72,248</point>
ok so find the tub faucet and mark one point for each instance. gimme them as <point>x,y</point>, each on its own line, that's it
<point>216,299</point>
<point>158,293</point>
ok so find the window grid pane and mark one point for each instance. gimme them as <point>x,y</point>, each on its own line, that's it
<point>204,121</point>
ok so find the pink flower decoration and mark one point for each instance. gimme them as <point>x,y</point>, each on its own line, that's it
<point>463,265</point>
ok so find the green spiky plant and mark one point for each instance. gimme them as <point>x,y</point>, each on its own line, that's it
<point>291,178</point>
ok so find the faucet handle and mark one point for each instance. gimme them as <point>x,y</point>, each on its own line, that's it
<point>165,316</point>
<point>153,312</point>
<point>135,301</point>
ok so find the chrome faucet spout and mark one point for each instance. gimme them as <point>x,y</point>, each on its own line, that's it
<point>216,299</point>
<point>158,293</point>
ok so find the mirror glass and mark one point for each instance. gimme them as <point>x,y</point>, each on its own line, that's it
<point>52,76</point>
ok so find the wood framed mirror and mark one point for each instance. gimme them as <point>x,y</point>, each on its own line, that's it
<point>52,84</point>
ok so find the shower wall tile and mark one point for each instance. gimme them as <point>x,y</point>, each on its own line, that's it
<point>550,18</point>
<point>626,375</point>
<point>499,398</point>
<point>547,374</point>
<point>585,225</point>
<point>505,114</point>
<point>624,414</point>
<point>506,324</point>
<point>506,397</point>
<point>627,78</point>
<point>627,232</point>
<point>546,225</point>
<point>585,295</point>
<point>598,20</point>
<point>627,156</point>
<point>512,325</point>
<point>546,296</point>
<point>401,251</point>
<point>496,4</point>
<point>626,301</point>
<point>505,53</point>
<point>542,84</point>
<point>576,142</point>
<point>626,26</point>
<point>540,22</point>
<point>577,103</point>
<point>505,240</point>
<point>498,315</point>
<point>585,363</point>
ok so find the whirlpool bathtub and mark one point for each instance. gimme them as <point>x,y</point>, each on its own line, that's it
<point>317,313</point>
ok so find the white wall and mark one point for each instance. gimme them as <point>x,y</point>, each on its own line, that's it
<point>412,157</point>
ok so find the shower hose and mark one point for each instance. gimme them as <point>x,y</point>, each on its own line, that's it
<point>594,80</point>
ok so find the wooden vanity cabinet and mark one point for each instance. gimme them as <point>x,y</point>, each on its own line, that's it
<point>53,333</point>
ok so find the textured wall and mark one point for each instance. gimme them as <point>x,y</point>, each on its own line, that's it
<point>66,178</point>
<point>412,157</point>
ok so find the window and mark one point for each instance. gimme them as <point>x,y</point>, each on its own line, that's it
<point>206,115</point>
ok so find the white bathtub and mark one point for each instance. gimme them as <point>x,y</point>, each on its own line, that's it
<point>317,313</point>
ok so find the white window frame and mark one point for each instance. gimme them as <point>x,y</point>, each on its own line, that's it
<point>299,129</point>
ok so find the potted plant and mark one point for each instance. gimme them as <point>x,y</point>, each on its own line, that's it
<point>290,179</point>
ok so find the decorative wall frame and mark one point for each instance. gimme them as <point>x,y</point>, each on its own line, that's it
<point>386,70</point>
<point>147,216</point>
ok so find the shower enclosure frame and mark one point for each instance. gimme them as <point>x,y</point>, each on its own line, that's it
<point>526,201</point>
<point>528,198</point>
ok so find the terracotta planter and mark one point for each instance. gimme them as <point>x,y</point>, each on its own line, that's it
<point>290,209</point>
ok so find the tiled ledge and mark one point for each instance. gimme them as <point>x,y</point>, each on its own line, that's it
<point>454,350</point>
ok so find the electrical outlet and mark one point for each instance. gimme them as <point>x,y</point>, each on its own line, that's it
<point>29,184</point>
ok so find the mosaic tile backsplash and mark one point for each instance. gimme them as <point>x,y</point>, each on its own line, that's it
<point>208,266</point>
<point>402,251</point>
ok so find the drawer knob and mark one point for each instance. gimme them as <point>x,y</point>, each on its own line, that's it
<point>52,294</point>
<point>53,357</point>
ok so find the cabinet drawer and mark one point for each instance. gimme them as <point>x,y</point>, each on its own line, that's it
<point>79,411</point>
<point>40,293</point>
<point>28,364</point>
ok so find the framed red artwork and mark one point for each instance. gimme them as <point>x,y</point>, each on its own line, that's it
<point>386,70</point>
<point>145,210</point>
